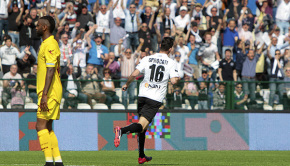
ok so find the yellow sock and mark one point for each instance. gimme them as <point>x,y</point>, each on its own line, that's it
<point>54,146</point>
<point>45,144</point>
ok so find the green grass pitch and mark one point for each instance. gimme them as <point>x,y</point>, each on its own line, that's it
<point>127,158</point>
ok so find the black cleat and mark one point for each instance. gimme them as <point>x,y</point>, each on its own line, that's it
<point>49,164</point>
<point>58,164</point>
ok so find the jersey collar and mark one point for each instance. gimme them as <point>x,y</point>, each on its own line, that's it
<point>48,38</point>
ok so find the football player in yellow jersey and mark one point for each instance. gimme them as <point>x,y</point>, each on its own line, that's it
<point>49,90</point>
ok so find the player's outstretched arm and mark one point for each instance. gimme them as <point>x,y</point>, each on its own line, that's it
<point>131,79</point>
<point>48,80</point>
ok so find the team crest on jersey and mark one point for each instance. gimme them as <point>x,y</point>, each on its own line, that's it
<point>50,51</point>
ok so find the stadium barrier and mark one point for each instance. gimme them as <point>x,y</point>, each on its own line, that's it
<point>93,131</point>
<point>254,127</point>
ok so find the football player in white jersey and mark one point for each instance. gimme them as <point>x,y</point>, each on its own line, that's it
<point>158,69</point>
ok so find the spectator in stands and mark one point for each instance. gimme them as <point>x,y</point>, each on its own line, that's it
<point>190,90</point>
<point>265,6</point>
<point>227,68</point>
<point>66,56</point>
<point>209,54</point>
<point>243,27</point>
<point>175,98</point>
<point>145,34</point>
<point>102,20</point>
<point>18,96</point>
<point>35,38</point>
<point>249,72</point>
<point>70,15</point>
<point>192,55</point>
<point>98,52</point>
<point>132,24</point>
<point>84,17</point>
<point>276,76</point>
<point>274,45</point>
<point>71,88</point>
<point>25,64</point>
<point>167,23</point>
<point>230,34</point>
<point>182,20</point>
<point>13,29</point>
<point>150,20</point>
<point>8,54</point>
<point>196,32</point>
<point>213,20</point>
<point>240,58</point>
<point>202,96</point>
<point>4,17</point>
<point>10,80</point>
<point>286,90</point>
<point>169,4</point>
<point>233,7</point>
<point>197,11</point>
<point>240,98</point>
<point>127,67</point>
<point>79,54</point>
<point>180,64</point>
<point>283,15</point>
<point>219,98</point>
<point>109,88</point>
<point>91,88</point>
<point>279,36</point>
<point>31,84</point>
<point>114,66</point>
<point>180,4</point>
<point>183,49</point>
<point>25,33</point>
<point>213,4</point>
<point>117,32</point>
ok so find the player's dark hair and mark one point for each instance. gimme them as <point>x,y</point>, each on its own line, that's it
<point>50,21</point>
<point>166,44</point>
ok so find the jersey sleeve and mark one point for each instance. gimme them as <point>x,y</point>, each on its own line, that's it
<point>51,55</point>
<point>174,71</point>
<point>141,65</point>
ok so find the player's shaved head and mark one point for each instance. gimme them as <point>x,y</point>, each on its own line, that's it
<point>49,22</point>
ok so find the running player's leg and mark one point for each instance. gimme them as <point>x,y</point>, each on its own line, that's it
<point>141,141</point>
<point>54,145</point>
<point>132,128</point>
<point>44,140</point>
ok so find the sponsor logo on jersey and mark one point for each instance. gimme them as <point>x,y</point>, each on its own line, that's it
<point>147,85</point>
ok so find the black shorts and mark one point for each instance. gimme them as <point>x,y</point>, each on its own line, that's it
<point>148,108</point>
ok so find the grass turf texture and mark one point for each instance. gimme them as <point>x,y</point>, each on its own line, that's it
<point>126,158</point>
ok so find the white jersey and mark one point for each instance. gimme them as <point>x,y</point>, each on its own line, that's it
<point>158,68</point>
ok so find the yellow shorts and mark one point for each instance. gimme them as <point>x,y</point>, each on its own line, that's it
<point>53,113</point>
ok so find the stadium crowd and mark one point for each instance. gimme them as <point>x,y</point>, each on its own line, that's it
<point>101,42</point>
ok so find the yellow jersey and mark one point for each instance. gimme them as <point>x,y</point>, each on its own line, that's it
<point>49,56</point>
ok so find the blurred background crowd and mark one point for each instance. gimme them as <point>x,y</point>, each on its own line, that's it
<point>101,42</point>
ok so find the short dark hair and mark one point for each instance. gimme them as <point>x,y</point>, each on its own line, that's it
<point>229,50</point>
<point>166,44</point>
<point>50,21</point>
